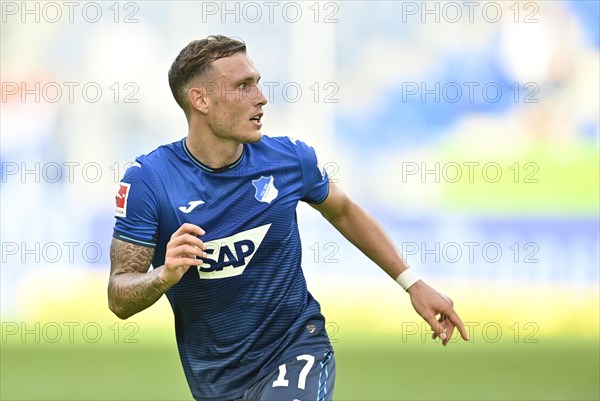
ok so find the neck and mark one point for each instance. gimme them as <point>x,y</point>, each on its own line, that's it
<point>212,151</point>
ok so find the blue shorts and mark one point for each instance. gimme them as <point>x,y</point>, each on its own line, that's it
<point>308,377</point>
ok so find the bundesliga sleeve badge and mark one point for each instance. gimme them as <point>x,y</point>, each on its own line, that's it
<point>121,199</point>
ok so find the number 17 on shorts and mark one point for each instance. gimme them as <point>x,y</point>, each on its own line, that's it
<point>308,377</point>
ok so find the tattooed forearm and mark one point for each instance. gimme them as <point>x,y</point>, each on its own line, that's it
<point>131,288</point>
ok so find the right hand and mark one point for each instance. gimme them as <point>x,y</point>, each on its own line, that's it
<point>182,250</point>
<point>429,303</point>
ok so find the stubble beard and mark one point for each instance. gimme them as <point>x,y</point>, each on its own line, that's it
<point>228,133</point>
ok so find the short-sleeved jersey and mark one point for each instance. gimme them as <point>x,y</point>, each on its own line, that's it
<point>245,309</point>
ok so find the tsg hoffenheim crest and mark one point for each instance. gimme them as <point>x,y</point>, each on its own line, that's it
<point>265,189</point>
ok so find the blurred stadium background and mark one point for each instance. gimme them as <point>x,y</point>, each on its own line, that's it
<point>503,96</point>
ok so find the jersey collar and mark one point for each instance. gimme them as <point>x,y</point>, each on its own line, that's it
<point>207,168</point>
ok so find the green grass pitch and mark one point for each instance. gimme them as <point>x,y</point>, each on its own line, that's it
<point>369,367</point>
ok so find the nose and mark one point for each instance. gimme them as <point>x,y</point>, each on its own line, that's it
<point>261,100</point>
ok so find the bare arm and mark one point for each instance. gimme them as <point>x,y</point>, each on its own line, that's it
<point>132,288</point>
<point>363,231</point>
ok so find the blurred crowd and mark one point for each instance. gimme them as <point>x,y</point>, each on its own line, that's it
<point>375,87</point>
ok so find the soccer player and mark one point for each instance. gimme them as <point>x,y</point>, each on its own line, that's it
<point>215,214</point>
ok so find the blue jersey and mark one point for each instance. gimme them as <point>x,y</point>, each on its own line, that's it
<point>246,309</point>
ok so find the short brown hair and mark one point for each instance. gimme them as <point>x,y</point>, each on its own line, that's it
<point>196,59</point>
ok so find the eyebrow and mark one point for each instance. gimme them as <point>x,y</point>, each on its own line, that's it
<point>247,79</point>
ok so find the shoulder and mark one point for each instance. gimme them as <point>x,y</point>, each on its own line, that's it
<point>161,154</point>
<point>283,144</point>
<point>149,168</point>
<point>156,161</point>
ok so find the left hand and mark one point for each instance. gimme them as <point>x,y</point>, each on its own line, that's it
<point>429,303</point>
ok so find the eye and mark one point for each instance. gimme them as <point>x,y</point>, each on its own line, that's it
<point>243,86</point>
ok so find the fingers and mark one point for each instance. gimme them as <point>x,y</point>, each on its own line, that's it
<point>183,261</point>
<point>446,326</point>
<point>442,323</point>
<point>186,239</point>
<point>188,228</point>
<point>185,248</point>
<point>447,321</point>
<point>438,328</point>
<point>456,321</point>
<point>449,332</point>
<point>189,251</point>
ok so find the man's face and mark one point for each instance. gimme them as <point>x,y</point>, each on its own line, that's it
<point>235,101</point>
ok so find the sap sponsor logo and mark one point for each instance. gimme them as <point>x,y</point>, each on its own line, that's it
<point>228,257</point>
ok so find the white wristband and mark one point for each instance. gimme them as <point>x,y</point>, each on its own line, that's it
<point>407,278</point>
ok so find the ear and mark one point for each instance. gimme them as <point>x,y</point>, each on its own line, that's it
<point>198,98</point>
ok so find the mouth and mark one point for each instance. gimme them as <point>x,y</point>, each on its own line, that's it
<point>256,118</point>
